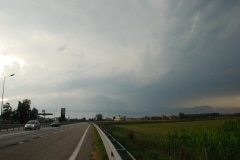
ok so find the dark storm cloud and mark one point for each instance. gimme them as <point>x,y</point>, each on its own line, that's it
<point>202,43</point>
<point>124,57</point>
<point>206,59</point>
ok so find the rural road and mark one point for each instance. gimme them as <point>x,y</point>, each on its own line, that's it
<point>70,142</point>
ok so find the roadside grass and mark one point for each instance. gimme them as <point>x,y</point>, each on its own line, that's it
<point>99,152</point>
<point>199,140</point>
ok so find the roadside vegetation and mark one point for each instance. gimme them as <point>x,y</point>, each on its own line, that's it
<point>99,152</point>
<point>22,114</point>
<point>169,140</point>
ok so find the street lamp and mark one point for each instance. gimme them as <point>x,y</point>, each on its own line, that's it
<point>3,90</point>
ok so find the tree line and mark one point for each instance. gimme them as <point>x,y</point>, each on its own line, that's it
<point>22,114</point>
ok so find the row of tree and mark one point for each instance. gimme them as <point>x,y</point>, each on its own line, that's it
<point>22,114</point>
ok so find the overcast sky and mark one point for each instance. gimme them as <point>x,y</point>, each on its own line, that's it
<point>128,57</point>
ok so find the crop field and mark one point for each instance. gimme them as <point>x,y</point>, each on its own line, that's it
<point>183,140</point>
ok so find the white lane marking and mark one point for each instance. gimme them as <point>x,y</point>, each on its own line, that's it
<point>75,152</point>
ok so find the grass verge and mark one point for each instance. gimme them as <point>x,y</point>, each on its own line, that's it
<point>99,152</point>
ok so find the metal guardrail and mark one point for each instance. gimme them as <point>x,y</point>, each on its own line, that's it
<point>115,150</point>
<point>122,151</point>
<point>111,151</point>
<point>13,127</point>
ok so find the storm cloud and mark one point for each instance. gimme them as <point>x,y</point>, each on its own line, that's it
<point>133,58</point>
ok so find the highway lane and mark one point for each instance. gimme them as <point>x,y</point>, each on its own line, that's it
<point>14,137</point>
<point>48,143</point>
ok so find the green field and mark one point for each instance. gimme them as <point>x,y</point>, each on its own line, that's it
<point>163,128</point>
<point>200,140</point>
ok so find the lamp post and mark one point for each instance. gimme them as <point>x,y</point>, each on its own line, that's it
<point>3,90</point>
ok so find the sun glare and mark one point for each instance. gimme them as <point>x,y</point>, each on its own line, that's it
<point>9,60</point>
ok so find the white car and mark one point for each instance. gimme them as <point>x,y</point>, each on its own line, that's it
<point>56,124</point>
<point>32,124</point>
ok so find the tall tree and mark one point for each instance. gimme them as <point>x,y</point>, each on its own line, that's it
<point>15,115</point>
<point>7,113</point>
<point>99,117</point>
<point>34,113</point>
<point>24,110</point>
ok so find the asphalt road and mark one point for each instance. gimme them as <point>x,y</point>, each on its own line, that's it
<point>69,142</point>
